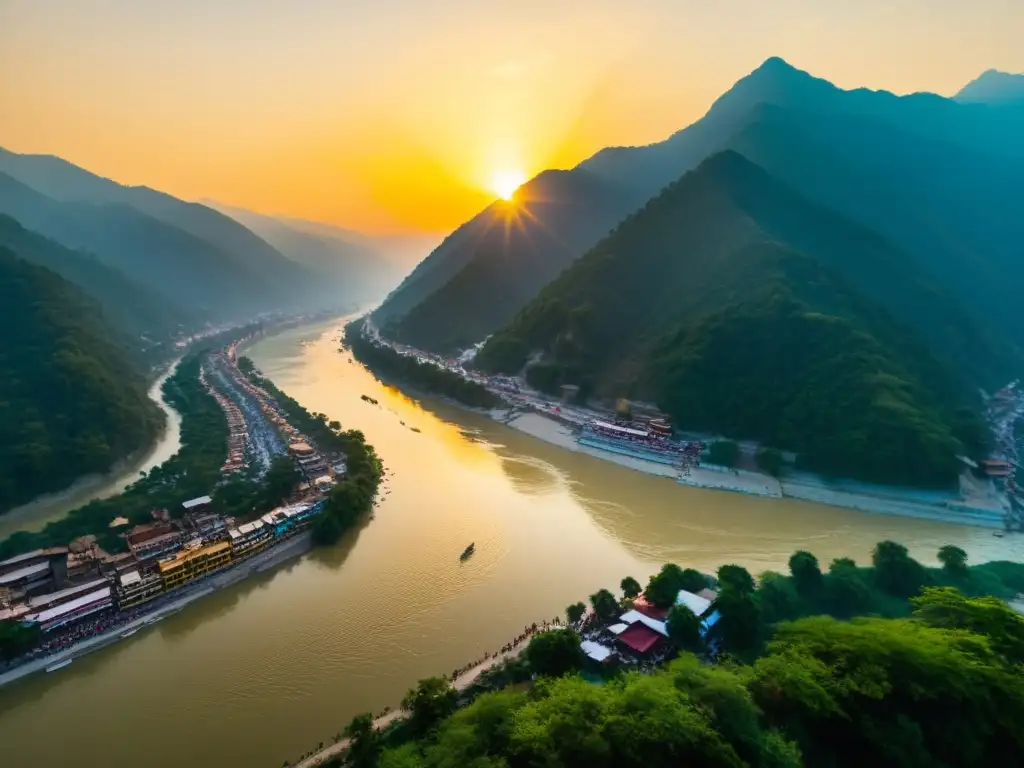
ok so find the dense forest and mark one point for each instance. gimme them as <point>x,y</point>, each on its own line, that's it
<point>72,401</point>
<point>740,318</point>
<point>795,674</point>
<point>388,364</point>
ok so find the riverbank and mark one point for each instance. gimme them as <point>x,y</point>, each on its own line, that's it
<point>35,515</point>
<point>802,488</point>
<point>294,547</point>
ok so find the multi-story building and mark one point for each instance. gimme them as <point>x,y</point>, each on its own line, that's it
<point>250,538</point>
<point>191,564</point>
<point>134,589</point>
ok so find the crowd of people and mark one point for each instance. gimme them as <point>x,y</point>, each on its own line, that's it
<point>515,643</point>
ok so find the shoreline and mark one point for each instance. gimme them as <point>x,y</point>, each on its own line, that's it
<point>751,483</point>
<point>295,547</point>
<point>46,508</point>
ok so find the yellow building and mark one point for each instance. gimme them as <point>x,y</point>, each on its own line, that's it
<point>190,564</point>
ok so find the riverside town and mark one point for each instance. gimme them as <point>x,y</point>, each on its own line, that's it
<point>72,599</point>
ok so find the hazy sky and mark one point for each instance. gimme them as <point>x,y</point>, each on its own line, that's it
<point>391,115</point>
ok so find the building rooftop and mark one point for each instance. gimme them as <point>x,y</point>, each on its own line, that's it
<point>635,617</point>
<point>640,638</point>
<point>129,578</point>
<point>300,447</point>
<point>41,601</point>
<point>695,603</point>
<point>198,502</point>
<point>595,651</point>
<point>24,573</point>
<point>75,605</point>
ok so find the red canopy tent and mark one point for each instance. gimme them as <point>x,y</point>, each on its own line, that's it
<point>640,638</point>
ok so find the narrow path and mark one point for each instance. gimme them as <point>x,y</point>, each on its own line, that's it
<point>462,682</point>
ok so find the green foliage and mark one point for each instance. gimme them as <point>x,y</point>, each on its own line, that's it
<point>806,573</point>
<point>364,742</point>
<point>72,401</point>
<point>191,472</point>
<point>387,363</point>
<point>897,572</point>
<point>947,608</point>
<point>684,629</point>
<point>953,559</point>
<point>778,598</point>
<point>781,323</point>
<point>847,591</point>
<point>890,692</point>
<point>575,612</point>
<point>630,587</point>
<point>736,577</point>
<point>431,701</point>
<point>770,460</point>
<point>555,653</point>
<point>724,453</point>
<point>663,588</point>
<point>604,604</point>
<point>740,627</point>
<point>16,638</point>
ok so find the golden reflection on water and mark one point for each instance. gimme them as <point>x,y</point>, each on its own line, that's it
<point>263,671</point>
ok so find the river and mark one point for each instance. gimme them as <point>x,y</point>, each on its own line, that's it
<point>263,671</point>
<point>34,515</point>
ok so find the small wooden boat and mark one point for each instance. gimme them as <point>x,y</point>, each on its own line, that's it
<point>59,665</point>
<point>467,551</point>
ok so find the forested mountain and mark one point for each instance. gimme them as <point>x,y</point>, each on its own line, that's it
<point>744,309</point>
<point>353,268</point>
<point>993,87</point>
<point>936,177</point>
<point>490,266</point>
<point>71,402</point>
<point>131,307</point>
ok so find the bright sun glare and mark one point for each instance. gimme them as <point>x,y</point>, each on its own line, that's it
<point>505,183</point>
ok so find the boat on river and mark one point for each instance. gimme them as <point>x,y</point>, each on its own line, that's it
<point>467,551</point>
<point>129,632</point>
<point>59,665</point>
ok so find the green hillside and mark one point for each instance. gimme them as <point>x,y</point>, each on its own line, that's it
<point>744,309</point>
<point>131,307</point>
<point>480,276</point>
<point>71,402</point>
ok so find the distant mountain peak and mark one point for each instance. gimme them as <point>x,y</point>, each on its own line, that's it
<point>993,86</point>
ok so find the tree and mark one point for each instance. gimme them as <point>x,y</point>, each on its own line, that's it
<point>947,608</point>
<point>806,573</point>
<point>778,598</point>
<point>575,612</point>
<point>555,653</point>
<point>630,587</point>
<point>737,577</point>
<point>847,592</point>
<point>739,623</point>
<point>684,629</point>
<point>692,580</point>
<point>770,460</point>
<point>432,700</point>
<point>364,742</point>
<point>954,560</point>
<point>723,453</point>
<point>663,588</point>
<point>895,571</point>
<point>604,604</point>
<point>16,638</point>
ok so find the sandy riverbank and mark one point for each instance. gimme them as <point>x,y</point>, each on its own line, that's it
<point>753,483</point>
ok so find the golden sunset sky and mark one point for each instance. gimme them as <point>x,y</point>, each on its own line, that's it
<point>397,115</point>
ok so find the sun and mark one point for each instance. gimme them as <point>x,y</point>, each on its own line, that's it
<point>505,183</point>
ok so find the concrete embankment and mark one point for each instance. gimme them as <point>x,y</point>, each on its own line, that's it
<point>294,547</point>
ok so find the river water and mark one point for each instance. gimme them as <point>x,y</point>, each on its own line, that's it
<point>263,671</point>
<point>37,513</point>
